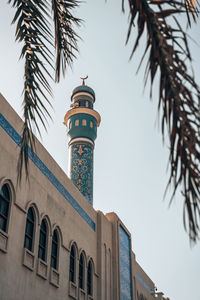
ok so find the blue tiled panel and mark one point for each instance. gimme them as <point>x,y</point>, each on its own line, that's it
<point>46,172</point>
<point>125,265</point>
<point>141,280</point>
<point>81,171</point>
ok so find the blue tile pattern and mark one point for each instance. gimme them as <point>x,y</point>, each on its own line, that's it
<point>46,172</point>
<point>125,265</point>
<point>141,280</point>
<point>81,169</point>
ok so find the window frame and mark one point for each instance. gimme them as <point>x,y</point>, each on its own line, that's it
<point>81,276</point>
<point>6,217</point>
<point>33,234</point>
<point>56,257</point>
<point>45,248</point>
<point>72,269</point>
<point>84,122</point>
<point>76,123</point>
<point>90,282</point>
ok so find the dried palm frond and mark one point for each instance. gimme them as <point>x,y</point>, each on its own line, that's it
<point>34,30</point>
<point>179,97</point>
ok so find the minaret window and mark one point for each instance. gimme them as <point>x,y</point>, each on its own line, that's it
<point>54,251</point>
<point>43,241</point>
<point>86,104</point>
<point>72,264</point>
<point>29,231</point>
<point>76,122</point>
<point>70,125</point>
<point>4,207</point>
<point>91,124</point>
<point>84,123</point>
<point>89,278</point>
<point>81,272</point>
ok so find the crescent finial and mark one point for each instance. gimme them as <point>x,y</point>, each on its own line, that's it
<point>84,78</point>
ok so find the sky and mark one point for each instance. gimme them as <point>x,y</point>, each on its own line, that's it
<point>130,160</point>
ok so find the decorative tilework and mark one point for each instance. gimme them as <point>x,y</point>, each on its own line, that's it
<point>125,265</point>
<point>81,169</point>
<point>141,280</point>
<point>46,172</point>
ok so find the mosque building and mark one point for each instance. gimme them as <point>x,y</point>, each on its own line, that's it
<point>53,244</point>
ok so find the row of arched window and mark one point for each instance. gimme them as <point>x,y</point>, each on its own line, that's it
<point>81,271</point>
<point>43,238</point>
<point>5,202</point>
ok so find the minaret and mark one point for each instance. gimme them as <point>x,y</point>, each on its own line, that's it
<point>82,122</point>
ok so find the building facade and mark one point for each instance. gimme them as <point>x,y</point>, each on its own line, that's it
<point>53,244</point>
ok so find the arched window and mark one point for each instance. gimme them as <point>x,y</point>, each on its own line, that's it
<point>54,251</point>
<point>4,207</point>
<point>29,231</point>
<point>70,125</point>
<point>84,122</point>
<point>89,278</point>
<point>77,122</point>
<point>72,264</point>
<point>43,241</point>
<point>81,272</point>
<point>91,124</point>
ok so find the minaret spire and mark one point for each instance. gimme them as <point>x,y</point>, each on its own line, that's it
<point>84,78</point>
<point>82,122</point>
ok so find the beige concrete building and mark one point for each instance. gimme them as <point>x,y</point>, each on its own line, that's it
<point>53,244</point>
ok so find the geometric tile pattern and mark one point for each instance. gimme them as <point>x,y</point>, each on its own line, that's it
<point>46,172</point>
<point>125,265</point>
<point>81,169</point>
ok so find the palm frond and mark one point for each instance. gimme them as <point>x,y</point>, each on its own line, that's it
<point>192,8</point>
<point>33,29</point>
<point>65,36</point>
<point>179,97</point>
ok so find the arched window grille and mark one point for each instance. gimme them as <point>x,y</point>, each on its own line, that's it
<point>84,122</point>
<point>81,271</point>
<point>89,278</point>
<point>54,251</point>
<point>4,207</point>
<point>72,264</point>
<point>29,231</point>
<point>43,241</point>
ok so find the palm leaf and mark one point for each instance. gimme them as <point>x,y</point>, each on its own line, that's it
<point>65,36</point>
<point>179,97</point>
<point>33,29</point>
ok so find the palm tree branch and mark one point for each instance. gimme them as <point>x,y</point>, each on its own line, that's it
<point>33,29</point>
<point>65,36</point>
<point>179,98</point>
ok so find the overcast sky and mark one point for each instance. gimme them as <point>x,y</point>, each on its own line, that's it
<point>130,166</point>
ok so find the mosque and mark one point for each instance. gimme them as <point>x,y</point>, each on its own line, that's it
<point>53,244</point>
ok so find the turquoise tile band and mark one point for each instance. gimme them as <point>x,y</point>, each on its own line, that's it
<point>46,172</point>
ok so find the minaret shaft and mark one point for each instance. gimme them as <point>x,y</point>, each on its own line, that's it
<point>82,122</point>
<point>81,167</point>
